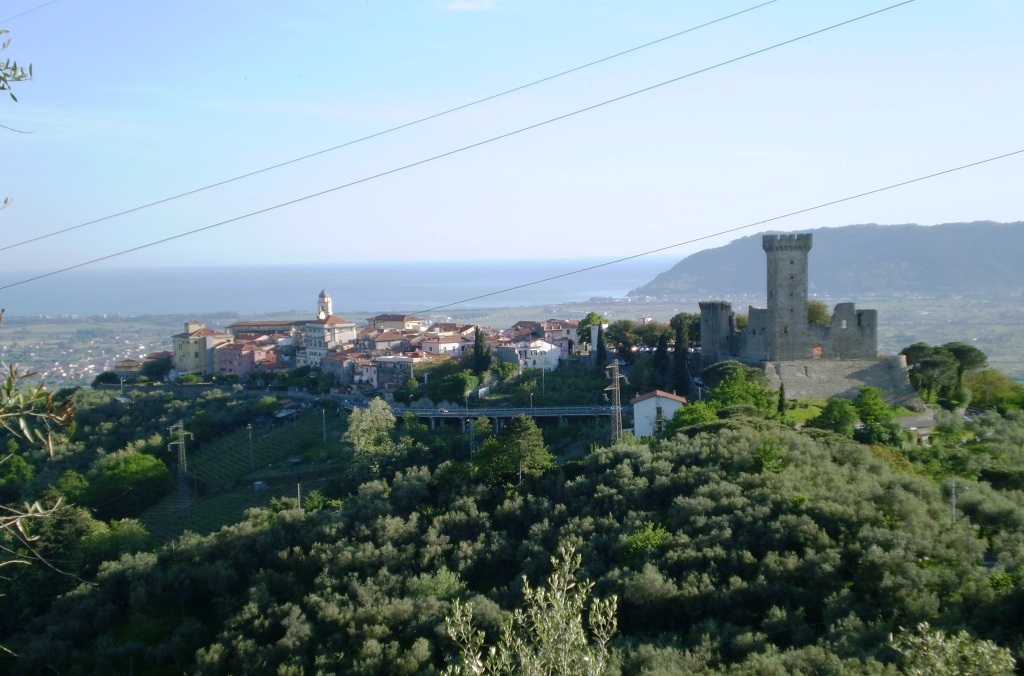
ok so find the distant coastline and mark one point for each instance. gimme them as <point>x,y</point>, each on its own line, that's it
<point>261,289</point>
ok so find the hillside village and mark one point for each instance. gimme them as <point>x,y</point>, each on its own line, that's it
<point>378,355</point>
<point>832,355</point>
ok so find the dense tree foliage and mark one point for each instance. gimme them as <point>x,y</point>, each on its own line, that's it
<point>481,352</point>
<point>927,652</point>
<point>548,636</point>
<point>749,547</point>
<point>733,384</point>
<point>818,313</point>
<point>600,350</point>
<point>839,415</point>
<point>123,484</point>
<point>517,452</point>
<point>583,328</point>
<point>628,338</point>
<point>738,546</point>
<point>371,434</point>
<point>938,372</point>
<point>991,389</point>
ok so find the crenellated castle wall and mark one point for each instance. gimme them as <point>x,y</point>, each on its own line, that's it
<point>781,332</point>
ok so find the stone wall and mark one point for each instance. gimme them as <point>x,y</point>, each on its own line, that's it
<point>782,331</point>
<point>821,379</point>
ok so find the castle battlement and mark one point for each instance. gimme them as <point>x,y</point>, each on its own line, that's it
<point>786,243</point>
<point>782,331</point>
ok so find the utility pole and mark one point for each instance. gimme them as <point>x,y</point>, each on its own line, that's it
<point>177,431</point>
<point>952,498</point>
<point>252,465</point>
<point>613,373</point>
<point>543,375</point>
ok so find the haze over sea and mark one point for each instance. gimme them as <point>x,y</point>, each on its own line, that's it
<point>374,287</point>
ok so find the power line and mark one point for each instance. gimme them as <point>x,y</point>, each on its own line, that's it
<point>448,153</point>
<point>724,232</point>
<point>28,11</point>
<point>380,133</point>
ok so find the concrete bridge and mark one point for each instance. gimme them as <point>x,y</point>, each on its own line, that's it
<point>502,414</point>
<point>499,414</point>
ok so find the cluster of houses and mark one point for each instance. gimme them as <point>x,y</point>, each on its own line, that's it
<point>379,354</point>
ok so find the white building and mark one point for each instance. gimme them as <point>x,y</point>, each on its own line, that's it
<point>535,354</point>
<point>323,334</point>
<point>652,411</point>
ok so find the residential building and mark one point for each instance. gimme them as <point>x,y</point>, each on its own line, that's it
<point>561,332</point>
<point>451,344</point>
<point>241,359</point>
<point>535,354</point>
<point>128,369</point>
<point>194,348</point>
<point>652,411</point>
<point>397,322</point>
<point>325,333</point>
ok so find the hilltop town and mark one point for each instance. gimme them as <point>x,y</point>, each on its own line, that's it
<point>380,354</point>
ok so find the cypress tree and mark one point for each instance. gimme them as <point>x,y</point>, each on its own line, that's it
<point>481,352</point>
<point>680,382</point>
<point>600,352</point>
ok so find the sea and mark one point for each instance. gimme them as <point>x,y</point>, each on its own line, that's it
<point>410,287</point>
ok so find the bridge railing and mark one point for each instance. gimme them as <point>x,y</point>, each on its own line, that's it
<point>491,411</point>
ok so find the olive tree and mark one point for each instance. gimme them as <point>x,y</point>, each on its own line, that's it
<point>548,636</point>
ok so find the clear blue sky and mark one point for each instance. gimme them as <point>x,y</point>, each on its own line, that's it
<point>135,101</point>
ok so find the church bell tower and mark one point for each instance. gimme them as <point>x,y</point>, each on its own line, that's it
<point>323,305</point>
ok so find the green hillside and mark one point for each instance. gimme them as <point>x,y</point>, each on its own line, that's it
<point>743,548</point>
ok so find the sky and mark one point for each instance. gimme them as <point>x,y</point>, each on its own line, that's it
<point>133,102</point>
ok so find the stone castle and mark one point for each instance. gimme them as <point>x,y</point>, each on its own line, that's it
<point>813,360</point>
<point>782,332</point>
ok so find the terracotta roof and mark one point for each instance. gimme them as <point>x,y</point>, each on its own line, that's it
<point>396,318</point>
<point>389,336</point>
<point>332,320</point>
<point>444,339</point>
<point>199,333</point>
<point>658,393</point>
<point>266,323</point>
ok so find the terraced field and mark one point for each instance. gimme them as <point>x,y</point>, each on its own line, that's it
<point>224,477</point>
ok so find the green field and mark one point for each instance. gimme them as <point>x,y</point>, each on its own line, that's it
<point>221,479</point>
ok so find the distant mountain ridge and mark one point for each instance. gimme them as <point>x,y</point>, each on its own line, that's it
<point>982,257</point>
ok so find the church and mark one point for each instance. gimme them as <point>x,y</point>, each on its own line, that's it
<point>322,334</point>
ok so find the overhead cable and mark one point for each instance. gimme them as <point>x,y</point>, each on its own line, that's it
<point>723,232</point>
<point>27,11</point>
<point>374,135</point>
<point>404,167</point>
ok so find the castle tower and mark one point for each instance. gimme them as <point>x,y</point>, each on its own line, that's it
<point>787,295</point>
<point>323,305</point>
<point>716,319</point>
